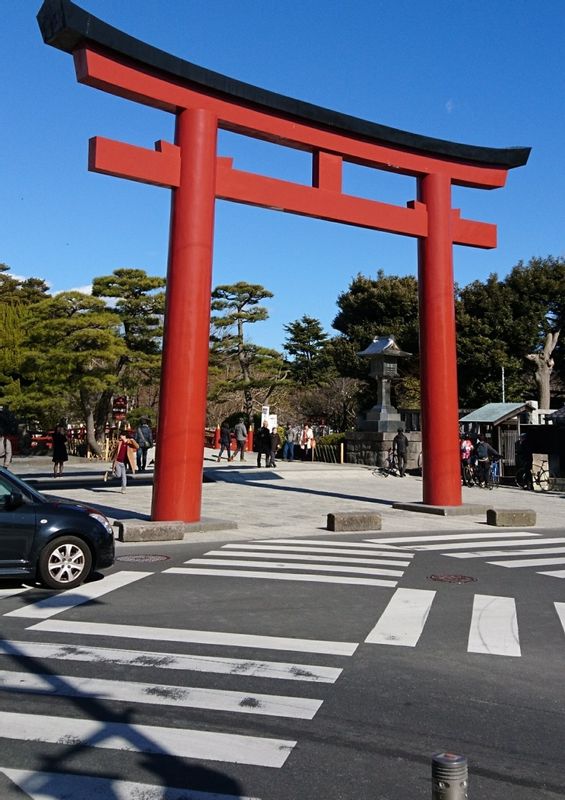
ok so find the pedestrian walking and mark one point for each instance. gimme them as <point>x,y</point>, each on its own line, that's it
<point>125,453</point>
<point>275,444</point>
<point>5,451</point>
<point>144,438</point>
<point>240,432</point>
<point>60,453</point>
<point>400,450</point>
<point>307,442</point>
<point>289,442</point>
<point>262,443</point>
<point>225,442</point>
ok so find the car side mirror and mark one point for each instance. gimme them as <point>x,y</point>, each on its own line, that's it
<point>13,501</point>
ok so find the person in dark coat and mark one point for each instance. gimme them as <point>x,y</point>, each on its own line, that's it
<point>225,442</point>
<point>262,442</point>
<point>400,450</point>
<point>144,438</point>
<point>275,444</point>
<point>60,454</point>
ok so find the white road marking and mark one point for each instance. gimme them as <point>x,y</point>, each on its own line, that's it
<point>443,548</point>
<point>318,558</point>
<point>178,742</point>
<point>230,562</point>
<point>227,639</point>
<point>528,562</point>
<point>557,573</point>
<point>57,603</point>
<point>4,593</point>
<point>48,786</point>
<point>158,694</point>
<point>403,620</point>
<point>277,670</point>
<point>281,576</point>
<point>330,542</point>
<point>494,627</point>
<point>521,552</point>
<point>451,537</point>
<point>560,608</point>
<point>394,552</point>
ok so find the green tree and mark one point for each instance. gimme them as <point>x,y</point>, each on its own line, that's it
<point>501,322</point>
<point>140,306</point>
<point>71,351</point>
<point>310,362</point>
<point>237,363</point>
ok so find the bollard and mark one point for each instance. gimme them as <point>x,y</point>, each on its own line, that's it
<point>449,777</point>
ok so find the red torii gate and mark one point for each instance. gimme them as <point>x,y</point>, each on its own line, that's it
<point>205,101</point>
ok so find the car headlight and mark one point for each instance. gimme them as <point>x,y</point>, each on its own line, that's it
<point>102,520</point>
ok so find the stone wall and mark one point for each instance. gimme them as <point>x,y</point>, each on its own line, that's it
<point>371,448</point>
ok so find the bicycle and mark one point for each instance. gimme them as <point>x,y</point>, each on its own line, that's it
<point>390,468</point>
<point>541,477</point>
<point>469,475</point>
<point>493,479</point>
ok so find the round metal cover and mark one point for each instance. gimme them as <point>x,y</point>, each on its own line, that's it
<point>452,578</point>
<point>145,557</point>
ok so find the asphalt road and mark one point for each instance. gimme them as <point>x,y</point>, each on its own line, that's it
<point>338,682</point>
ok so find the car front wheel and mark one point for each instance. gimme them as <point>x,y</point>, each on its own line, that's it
<point>64,563</point>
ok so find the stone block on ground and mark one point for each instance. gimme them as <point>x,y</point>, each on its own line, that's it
<point>511,517</point>
<point>354,521</point>
<point>142,530</point>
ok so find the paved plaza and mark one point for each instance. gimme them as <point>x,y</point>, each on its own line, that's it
<point>292,500</point>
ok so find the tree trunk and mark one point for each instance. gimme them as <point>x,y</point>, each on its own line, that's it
<point>88,411</point>
<point>544,364</point>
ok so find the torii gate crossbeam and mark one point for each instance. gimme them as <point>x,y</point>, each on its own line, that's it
<point>204,102</point>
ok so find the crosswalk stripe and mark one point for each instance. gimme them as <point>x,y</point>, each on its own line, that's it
<point>392,553</point>
<point>280,576</point>
<point>520,552</point>
<point>163,695</point>
<point>5,593</point>
<point>275,670</point>
<point>50,785</point>
<point>556,573</point>
<point>528,562</point>
<point>451,537</point>
<point>227,562</point>
<point>179,742</point>
<point>494,626</point>
<point>403,620</point>
<point>57,603</point>
<point>318,558</point>
<point>330,542</point>
<point>560,608</point>
<point>219,638</point>
<point>445,547</point>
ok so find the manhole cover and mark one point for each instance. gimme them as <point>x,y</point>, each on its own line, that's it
<point>452,578</point>
<point>142,557</point>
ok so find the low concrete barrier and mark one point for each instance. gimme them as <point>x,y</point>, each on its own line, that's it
<point>511,517</point>
<point>142,530</point>
<point>354,521</point>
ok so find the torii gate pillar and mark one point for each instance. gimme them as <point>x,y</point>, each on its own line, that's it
<point>204,102</point>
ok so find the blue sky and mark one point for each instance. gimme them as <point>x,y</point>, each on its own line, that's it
<point>482,72</point>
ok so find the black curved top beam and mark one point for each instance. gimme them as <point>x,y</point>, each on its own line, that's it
<point>66,26</point>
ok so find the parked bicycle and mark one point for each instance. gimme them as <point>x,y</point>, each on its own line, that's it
<point>539,477</point>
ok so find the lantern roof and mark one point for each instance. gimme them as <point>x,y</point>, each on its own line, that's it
<point>384,346</point>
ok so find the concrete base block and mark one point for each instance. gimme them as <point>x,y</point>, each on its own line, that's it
<point>141,530</point>
<point>511,517</point>
<point>443,511</point>
<point>354,521</point>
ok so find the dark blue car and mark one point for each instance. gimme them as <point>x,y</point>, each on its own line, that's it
<point>55,542</point>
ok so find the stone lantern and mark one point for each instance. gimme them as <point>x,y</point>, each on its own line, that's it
<point>384,354</point>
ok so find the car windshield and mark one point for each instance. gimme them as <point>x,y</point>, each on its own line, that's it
<point>9,483</point>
